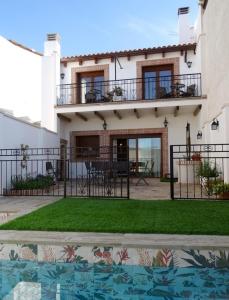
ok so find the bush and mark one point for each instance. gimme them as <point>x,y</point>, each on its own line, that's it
<point>220,188</point>
<point>206,170</point>
<point>40,182</point>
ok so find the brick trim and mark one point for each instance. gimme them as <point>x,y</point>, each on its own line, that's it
<point>105,139</point>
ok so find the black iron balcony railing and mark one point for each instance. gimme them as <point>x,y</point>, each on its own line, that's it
<point>150,88</point>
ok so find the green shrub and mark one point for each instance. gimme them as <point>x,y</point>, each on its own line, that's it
<point>40,182</point>
<point>206,170</point>
<point>220,188</point>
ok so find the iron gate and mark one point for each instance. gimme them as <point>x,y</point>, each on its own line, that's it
<point>199,171</point>
<point>81,172</point>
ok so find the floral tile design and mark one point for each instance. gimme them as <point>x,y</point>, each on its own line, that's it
<point>115,273</point>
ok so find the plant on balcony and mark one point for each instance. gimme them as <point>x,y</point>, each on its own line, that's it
<point>118,91</point>
<point>221,189</point>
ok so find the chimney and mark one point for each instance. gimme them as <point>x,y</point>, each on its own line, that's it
<point>52,44</point>
<point>185,31</point>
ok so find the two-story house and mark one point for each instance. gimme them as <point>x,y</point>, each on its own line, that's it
<point>141,98</point>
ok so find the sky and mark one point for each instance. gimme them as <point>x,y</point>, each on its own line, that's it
<point>93,26</point>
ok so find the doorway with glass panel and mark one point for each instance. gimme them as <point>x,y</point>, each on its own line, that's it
<point>91,86</point>
<point>143,152</point>
<point>157,81</point>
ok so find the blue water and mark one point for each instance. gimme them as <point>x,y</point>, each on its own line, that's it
<point>87,281</point>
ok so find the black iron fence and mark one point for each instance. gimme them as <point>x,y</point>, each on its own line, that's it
<point>199,171</point>
<point>150,88</point>
<point>82,172</point>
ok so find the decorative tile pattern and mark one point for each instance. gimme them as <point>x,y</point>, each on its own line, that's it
<point>114,273</point>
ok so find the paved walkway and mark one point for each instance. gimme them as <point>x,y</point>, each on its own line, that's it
<point>14,207</point>
<point>116,239</point>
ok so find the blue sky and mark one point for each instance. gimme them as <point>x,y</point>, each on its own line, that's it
<point>93,26</point>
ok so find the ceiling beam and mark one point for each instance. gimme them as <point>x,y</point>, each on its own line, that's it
<point>136,113</point>
<point>82,117</point>
<point>176,110</point>
<point>64,118</point>
<point>117,114</point>
<point>197,110</point>
<point>99,115</point>
<point>156,112</point>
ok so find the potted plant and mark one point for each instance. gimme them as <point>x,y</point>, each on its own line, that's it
<point>208,174</point>
<point>221,190</point>
<point>117,93</point>
<point>196,156</point>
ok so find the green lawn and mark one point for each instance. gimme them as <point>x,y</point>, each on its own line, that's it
<point>95,215</point>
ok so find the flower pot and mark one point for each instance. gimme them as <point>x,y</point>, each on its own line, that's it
<point>224,196</point>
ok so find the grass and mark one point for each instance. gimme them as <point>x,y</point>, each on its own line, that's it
<point>128,216</point>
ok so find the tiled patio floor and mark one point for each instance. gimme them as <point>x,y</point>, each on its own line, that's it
<point>156,190</point>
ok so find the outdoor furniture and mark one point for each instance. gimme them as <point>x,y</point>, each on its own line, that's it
<point>140,170</point>
<point>163,93</point>
<point>120,168</point>
<point>190,92</point>
<point>91,96</point>
<point>177,89</point>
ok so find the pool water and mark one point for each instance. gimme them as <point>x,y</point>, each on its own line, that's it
<point>113,273</point>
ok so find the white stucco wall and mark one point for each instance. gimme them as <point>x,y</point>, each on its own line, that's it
<point>129,66</point>
<point>14,132</point>
<point>20,78</point>
<point>215,66</point>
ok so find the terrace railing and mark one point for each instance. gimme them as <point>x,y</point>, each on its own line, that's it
<point>150,88</point>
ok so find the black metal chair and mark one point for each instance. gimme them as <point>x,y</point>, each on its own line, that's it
<point>190,92</point>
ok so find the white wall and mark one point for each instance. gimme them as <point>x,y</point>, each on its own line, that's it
<point>129,66</point>
<point>14,132</point>
<point>20,80</point>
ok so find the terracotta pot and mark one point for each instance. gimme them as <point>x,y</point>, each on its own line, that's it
<point>224,196</point>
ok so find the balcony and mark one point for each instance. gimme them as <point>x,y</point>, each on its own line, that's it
<point>124,90</point>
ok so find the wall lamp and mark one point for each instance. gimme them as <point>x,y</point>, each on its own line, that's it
<point>199,135</point>
<point>189,64</point>
<point>62,75</point>
<point>215,124</point>
<point>166,123</point>
<point>104,125</point>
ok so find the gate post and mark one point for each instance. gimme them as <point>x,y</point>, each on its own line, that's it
<point>171,173</point>
<point>65,173</point>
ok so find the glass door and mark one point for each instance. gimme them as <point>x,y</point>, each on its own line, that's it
<point>92,86</point>
<point>157,81</point>
<point>149,155</point>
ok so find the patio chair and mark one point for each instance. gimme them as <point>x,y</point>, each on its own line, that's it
<point>190,92</point>
<point>143,172</point>
<point>92,96</point>
<point>120,168</point>
<point>163,93</point>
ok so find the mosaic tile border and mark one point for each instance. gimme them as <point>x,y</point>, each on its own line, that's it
<point>109,255</point>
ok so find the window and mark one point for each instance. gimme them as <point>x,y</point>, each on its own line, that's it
<point>157,81</point>
<point>91,86</point>
<point>87,146</point>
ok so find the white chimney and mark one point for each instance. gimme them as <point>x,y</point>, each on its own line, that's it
<point>52,44</point>
<point>185,31</point>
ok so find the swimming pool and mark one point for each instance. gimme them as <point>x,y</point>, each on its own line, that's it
<point>64,272</point>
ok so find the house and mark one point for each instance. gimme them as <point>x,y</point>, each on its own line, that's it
<point>141,98</point>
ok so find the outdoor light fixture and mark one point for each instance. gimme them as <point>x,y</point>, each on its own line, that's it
<point>104,125</point>
<point>62,76</point>
<point>189,64</point>
<point>166,123</point>
<point>199,135</point>
<point>215,124</point>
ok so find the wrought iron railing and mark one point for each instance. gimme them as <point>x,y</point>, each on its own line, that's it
<point>151,88</point>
